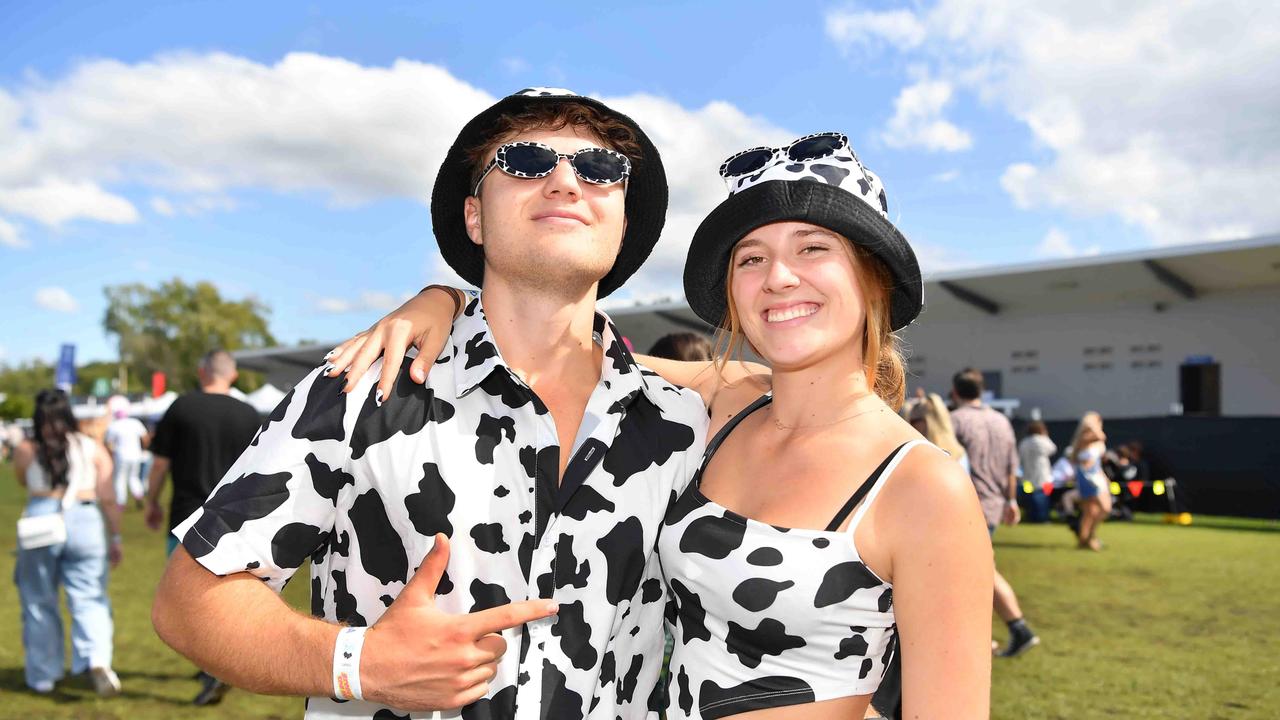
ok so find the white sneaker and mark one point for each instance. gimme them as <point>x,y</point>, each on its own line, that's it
<point>44,688</point>
<point>105,681</point>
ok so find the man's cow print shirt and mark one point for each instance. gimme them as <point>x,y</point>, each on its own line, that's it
<point>361,490</point>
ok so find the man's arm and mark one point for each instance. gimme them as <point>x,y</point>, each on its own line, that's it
<point>155,485</point>
<point>240,631</point>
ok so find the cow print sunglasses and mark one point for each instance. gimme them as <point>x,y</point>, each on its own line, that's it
<point>532,160</point>
<point>809,147</point>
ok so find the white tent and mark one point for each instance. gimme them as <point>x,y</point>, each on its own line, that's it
<point>265,399</point>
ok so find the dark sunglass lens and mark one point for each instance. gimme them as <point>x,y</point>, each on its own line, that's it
<point>815,147</point>
<point>747,162</point>
<point>599,166</point>
<point>531,159</point>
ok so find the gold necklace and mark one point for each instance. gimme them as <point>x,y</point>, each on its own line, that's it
<point>778,423</point>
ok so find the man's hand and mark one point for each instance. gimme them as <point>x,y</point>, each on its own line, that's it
<point>1012,513</point>
<point>418,657</point>
<point>115,553</point>
<point>155,515</point>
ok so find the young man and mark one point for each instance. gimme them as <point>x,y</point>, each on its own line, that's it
<point>528,477</point>
<point>989,443</point>
<point>200,436</point>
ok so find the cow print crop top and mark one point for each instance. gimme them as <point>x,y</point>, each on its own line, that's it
<point>764,616</point>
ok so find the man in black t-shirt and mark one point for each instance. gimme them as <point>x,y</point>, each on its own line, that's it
<point>200,436</point>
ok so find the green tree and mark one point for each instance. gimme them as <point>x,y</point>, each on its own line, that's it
<point>20,383</point>
<point>170,327</point>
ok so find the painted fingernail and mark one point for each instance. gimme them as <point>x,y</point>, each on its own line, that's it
<point>329,354</point>
<point>377,398</point>
<point>328,368</point>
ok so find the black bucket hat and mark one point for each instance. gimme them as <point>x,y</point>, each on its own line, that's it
<point>646,200</point>
<point>835,192</point>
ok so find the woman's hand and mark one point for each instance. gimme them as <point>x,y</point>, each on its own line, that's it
<point>423,321</point>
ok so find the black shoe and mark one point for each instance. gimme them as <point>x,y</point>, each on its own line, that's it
<point>212,691</point>
<point>1018,644</point>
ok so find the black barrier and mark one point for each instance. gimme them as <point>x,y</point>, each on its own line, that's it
<point>1224,465</point>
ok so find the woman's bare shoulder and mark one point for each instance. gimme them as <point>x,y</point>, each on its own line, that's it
<point>927,484</point>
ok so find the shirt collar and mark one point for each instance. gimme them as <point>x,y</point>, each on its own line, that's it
<point>476,355</point>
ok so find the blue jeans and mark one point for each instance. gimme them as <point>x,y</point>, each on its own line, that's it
<point>79,565</point>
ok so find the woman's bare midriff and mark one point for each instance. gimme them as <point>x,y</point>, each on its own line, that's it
<point>854,707</point>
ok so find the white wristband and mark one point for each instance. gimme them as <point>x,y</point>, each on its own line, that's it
<point>346,663</point>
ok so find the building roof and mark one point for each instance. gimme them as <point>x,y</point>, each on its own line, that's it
<point>1156,275</point>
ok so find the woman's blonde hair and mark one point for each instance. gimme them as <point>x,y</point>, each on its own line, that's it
<point>1089,421</point>
<point>881,356</point>
<point>937,423</point>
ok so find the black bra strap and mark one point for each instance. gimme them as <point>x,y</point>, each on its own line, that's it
<point>862,491</point>
<point>728,428</point>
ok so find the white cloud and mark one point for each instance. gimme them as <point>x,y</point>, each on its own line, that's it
<point>163,207</point>
<point>515,65</point>
<point>198,126</point>
<point>1161,114</point>
<point>56,299</point>
<point>10,236</point>
<point>917,119</point>
<point>945,176</point>
<point>55,201</point>
<point>852,29</point>
<point>202,127</point>
<point>1057,244</point>
<point>369,300</point>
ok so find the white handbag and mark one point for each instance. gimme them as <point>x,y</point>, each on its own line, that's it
<point>45,530</point>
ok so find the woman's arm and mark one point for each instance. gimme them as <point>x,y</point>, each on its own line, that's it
<point>23,455</point>
<point>107,502</point>
<point>423,321</point>
<point>943,575</point>
<point>703,378</point>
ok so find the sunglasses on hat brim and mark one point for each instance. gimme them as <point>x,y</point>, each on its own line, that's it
<point>532,160</point>
<point>809,147</point>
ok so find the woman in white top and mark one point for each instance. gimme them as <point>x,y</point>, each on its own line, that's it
<point>66,471</point>
<point>1034,452</point>
<point>1087,448</point>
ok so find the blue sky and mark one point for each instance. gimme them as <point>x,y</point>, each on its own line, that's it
<point>285,150</point>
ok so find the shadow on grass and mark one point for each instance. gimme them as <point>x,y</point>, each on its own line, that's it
<point>78,688</point>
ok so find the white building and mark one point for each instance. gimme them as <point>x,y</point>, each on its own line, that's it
<point>1121,334</point>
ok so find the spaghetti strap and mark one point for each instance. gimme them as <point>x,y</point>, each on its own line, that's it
<point>871,486</point>
<point>728,428</point>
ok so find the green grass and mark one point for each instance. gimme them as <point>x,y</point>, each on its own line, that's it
<point>1168,622</point>
<point>157,681</point>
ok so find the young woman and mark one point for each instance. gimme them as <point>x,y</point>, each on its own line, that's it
<point>931,419</point>
<point>821,529</point>
<point>1088,446</point>
<point>66,471</point>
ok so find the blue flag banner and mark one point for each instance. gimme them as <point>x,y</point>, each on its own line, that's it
<point>65,376</point>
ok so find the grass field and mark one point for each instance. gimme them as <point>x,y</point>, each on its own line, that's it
<point>1168,622</point>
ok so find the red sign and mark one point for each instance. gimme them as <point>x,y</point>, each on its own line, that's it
<point>157,384</point>
<point>1135,487</point>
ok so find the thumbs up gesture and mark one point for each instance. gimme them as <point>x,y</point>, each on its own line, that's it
<point>419,657</point>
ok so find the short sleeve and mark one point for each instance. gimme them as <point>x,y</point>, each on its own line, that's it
<point>162,443</point>
<point>276,506</point>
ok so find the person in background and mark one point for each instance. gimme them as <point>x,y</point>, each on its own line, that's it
<point>1034,452</point>
<point>687,346</point>
<point>987,437</point>
<point>64,470</point>
<point>126,437</point>
<point>200,436</point>
<point>930,417</point>
<point>1088,447</point>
